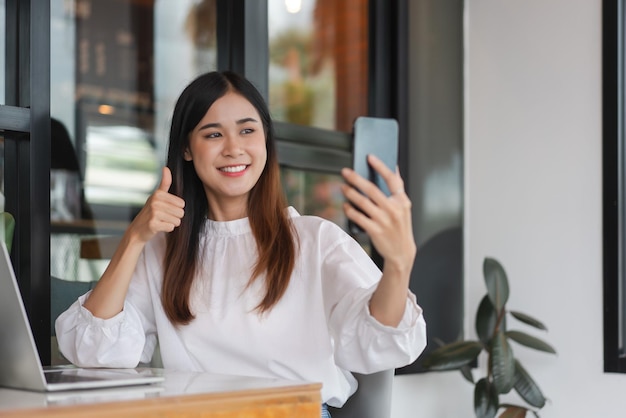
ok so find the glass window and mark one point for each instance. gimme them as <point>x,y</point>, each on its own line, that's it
<point>318,62</point>
<point>122,64</point>
<point>319,194</point>
<point>313,193</point>
<point>117,68</point>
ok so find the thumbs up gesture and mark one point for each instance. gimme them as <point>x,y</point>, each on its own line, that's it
<point>162,212</point>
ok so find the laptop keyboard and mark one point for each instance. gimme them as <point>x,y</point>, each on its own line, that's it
<point>65,376</point>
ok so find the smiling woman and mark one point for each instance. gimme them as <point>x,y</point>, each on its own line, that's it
<point>98,66</point>
<point>228,152</point>
<point>215,261</point>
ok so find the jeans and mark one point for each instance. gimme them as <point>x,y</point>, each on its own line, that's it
<point>325,413</point>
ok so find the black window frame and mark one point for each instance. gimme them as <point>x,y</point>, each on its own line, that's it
<point>613,172</point>
<point>25,125</point>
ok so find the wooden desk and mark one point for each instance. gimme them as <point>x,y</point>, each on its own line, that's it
<point>182,395</point>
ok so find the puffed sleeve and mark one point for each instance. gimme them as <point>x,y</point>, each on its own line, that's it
<point>121,341</point>
<point>361,343</point>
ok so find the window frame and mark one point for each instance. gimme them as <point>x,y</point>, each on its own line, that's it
<point>25,125</point>
<point>613,171</point>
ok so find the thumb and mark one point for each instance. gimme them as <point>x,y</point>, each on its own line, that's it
<point>166,180</point>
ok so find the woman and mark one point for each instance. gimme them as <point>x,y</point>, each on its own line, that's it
<point>229,280</point>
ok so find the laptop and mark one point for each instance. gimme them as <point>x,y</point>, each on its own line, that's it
<point>20,367</point>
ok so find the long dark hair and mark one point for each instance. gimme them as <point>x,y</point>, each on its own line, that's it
<point>271,226</point>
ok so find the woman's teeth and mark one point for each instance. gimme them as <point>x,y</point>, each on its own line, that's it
<point>233,169</point>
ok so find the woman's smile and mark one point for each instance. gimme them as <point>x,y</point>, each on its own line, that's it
<point>234,170</point>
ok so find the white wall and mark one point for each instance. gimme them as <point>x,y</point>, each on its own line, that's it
<point>533,199</point>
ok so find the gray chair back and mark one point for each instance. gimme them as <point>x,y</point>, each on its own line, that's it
<point>372,398</point>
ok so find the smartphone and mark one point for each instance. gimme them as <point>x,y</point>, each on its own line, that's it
<point>378,136</point>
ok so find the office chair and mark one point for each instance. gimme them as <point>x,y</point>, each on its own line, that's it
<point>372,398</point>
<point>62,294</point>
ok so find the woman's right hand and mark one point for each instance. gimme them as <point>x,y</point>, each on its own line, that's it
<point>162,212</point>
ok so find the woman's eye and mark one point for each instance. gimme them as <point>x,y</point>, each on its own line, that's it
<point>213,135</point>
<point>247,131</point>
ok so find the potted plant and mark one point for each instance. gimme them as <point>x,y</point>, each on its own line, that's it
<point>503,372</point>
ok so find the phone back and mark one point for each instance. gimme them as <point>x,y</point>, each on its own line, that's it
<point>378,136</point>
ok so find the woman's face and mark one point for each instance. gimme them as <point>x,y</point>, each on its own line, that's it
<point>228,152</point>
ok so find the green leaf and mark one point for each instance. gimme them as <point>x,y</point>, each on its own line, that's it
<point>526,387</point>
<point>502,363</point>
<point>9,228</point>
<point>514,412</point>
<point>466,371</point>
<point>452,356</point>
<point>530,341</point>
<point>528,320</point>
<point>486,319</point>
<point>497,283</point>
<point>485,399</point>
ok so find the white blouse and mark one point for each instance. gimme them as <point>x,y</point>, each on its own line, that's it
<point>320,329</point>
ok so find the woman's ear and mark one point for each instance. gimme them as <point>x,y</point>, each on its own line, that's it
<point>187,155</point>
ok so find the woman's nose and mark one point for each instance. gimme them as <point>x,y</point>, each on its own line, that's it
<point>232,146</point>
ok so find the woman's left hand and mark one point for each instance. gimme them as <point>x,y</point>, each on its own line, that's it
<point>386,219</point>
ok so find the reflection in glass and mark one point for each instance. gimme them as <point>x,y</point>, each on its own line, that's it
<point>120,65</point>
<point>319,194</point>
<point>314,193</point>
<point>318,62</point>
<point>117,68</point>
<point>120,155</point>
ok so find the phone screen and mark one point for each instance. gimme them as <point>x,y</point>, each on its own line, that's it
<point>378,136</point>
